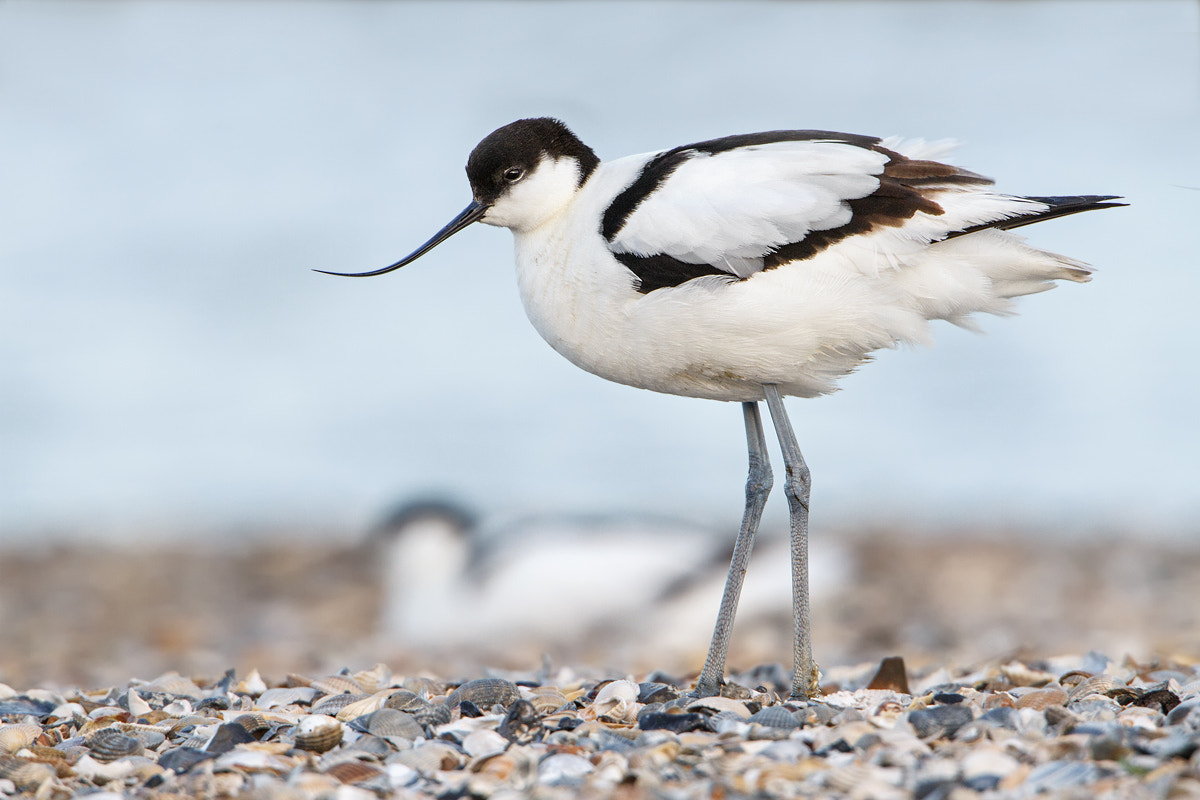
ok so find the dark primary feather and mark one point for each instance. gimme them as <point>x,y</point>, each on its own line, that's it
<point>1059,207</point>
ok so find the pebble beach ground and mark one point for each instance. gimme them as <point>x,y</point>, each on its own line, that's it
<point>1030,667</point>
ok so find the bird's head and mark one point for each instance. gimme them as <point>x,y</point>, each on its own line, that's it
<point>521,175</point>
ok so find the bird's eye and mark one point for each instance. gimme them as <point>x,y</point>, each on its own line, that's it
<point>514,174</point>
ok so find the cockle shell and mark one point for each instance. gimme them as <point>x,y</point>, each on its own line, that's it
<point>111,744</point>
<point>374,679</point>
<point>485,693</point>
<point>317,733</point>
<point>547,699</point>
<point>364,705</point>
<point>354,771</point>
<point>332,705</point>
<point>774,717</point>
<point>1097,684</point>
<point>255,724</point>
<point>393,722</point>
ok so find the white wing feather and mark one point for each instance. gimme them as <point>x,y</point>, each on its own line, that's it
<point>730,208</point>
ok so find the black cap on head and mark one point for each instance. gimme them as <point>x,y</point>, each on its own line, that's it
<point>507,154</point>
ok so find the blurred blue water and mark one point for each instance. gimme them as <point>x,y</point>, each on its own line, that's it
<point>170,172</point>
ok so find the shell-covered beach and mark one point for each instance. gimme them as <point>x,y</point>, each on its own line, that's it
<point>1025,669</point>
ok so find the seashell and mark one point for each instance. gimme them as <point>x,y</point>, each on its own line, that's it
<point>432,714</point>
<point>392,722</point>
<point>1097,684</point>
<point>521,724</point>
<point>938,721</point>
<point>1069,680</point>
<point>136,705</point>
<point>374,679</point>
<point>616,691</point>
<point>27,775</point>
<point>713,705</point>
<point>286,696</point>
<point>173,683</point>
<point>616,701</point>
<point>262,761</point>
<point>563,768</point>
<point>1021,675</point>
<point>332,705</point>
<point>483,742</point>
<point>422,685</point>
<point>653,692</point>
<point>775,717</point>
<point>317,733</point>
<point>354,771</point>
<point>485,693</point>
<point>255,724</point>
<point>404,700</point>
<point>17,736</point>
<point>58,759</point>
<point>365,705</point>
<point>547,699</point>
<point>1043,698</point>
<point>338,684</point>
<point>150,736</point>
<point>112,744</point>
<point>425,712</point>
<point>374,746</point>
<point>430,757</point>
<point>253,684</point>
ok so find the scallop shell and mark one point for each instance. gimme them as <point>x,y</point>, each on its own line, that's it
<point>392,722</point>
<point>112,744</point>
<point>317,733</point>
<point>485,693</point>
<point>17,736</point>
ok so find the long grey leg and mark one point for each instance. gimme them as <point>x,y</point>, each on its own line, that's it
<point>796,487</point>
<point>758,486</point>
